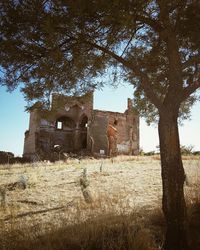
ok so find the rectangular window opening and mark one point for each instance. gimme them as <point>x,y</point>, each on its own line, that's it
<point>59,125</point>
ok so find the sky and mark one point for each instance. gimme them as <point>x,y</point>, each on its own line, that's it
<point>14,121</point>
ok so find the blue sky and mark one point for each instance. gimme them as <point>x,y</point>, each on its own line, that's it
<point>14,120</point>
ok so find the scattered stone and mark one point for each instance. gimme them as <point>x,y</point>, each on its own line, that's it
<point>87,195</point>
<point>84,183</point>
<point>20,184</point>
<point>23,181</point>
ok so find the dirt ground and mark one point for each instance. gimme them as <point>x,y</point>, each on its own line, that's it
<point>53,189</point>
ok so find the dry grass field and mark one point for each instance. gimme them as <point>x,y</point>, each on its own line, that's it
<point>124,212</point>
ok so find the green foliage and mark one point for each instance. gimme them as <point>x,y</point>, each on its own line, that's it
<point>187,150</point>
<point>149,153</point>
<point>67,46</point>
<point>141,152</point>
<point>5,157</point>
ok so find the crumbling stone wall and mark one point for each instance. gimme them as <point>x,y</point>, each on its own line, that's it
<point>123,129</point>
<point>98,134</point>
<point>112,134</point>
<point>30,135</point>
<point>72,125</point>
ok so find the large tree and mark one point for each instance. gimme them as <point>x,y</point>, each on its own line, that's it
<point>67,45</point>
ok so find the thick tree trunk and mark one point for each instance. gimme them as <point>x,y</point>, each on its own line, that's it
<point>173,177</point>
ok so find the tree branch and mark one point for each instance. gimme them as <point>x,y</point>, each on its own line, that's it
<point>193,84</point>
<point>150,22</point>
<point>189,90</point>
<point>131,38</point>
<point>145,84</point>
<point>112,54</point>
<point>191,61</point>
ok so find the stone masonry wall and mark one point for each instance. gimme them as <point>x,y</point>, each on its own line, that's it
<point>74,126</point>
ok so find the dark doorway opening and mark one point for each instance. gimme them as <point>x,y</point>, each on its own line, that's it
<point>83,131</point>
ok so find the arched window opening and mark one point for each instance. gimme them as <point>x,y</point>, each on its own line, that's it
<point>84,122</point>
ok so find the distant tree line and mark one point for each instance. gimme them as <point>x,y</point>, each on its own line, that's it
<point>185,150</point>
<point>9,158</point>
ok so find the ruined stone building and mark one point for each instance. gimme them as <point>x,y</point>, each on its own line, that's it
<point>73,126</point>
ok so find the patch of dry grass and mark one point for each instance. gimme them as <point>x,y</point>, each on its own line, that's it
<point>51,213</point>
<point>104,231</point>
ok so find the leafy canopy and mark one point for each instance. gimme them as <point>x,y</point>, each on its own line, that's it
<point>67,46</point>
